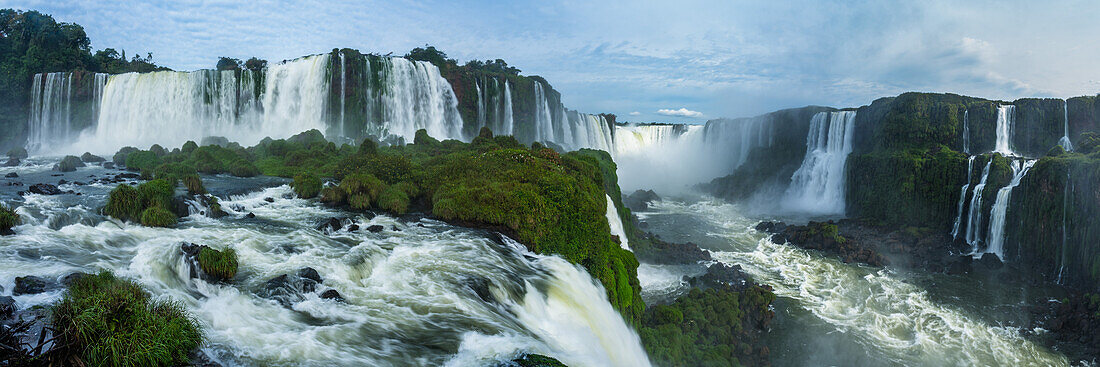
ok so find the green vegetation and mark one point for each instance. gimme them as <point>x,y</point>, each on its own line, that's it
<point>157,217</point>
<point>709,327</point>
<point>127,203</point>
<point>69,163</point>
<point>8,219</point>
<point>306,185</point>
<point>106,321</point>
<point>537,360</point>
<point>221,265</point>
<point>193,184</point>
<point>18,153</point>
<point>394,199</point>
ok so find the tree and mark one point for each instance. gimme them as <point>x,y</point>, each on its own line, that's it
<point>228,63</point>
<point>255,64</point>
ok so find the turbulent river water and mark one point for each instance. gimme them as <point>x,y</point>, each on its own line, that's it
<point>420,292</point>
<point>832,313</point>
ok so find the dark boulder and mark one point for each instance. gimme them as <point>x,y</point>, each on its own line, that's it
<point>12,175</point>
<point>68,280</point>
<point>720,275</point>
<point>310,279</point>
<point>108,165</point>
<point>44,189</point>
<point>33,285</point>
<point>961,265</point>
<point>269,199</point>
<point>7,307</point>
<point>88,157</point>
<point>640,199</point>
<point>771,227</point>
<point>330,225</point>
<point>991,261</point>
<point>128,176</point>
<point>12,162</point>
<point>653,250</point>
<point>250,215</point>
<point>353,228</point>
<point>375,228</point>
<point>333,295</point>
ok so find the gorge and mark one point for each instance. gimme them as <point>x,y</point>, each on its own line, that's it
<point>408,210</point>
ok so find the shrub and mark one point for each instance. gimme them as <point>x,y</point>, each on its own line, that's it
<point>120,157</point>
<point>363,183</point>
<point>359,201</point>
<point>333,195</point>
<point>243,169</point>
<point>156,193</point>
<point>394,200</point>
<point>18,153</point>
<point>306,185</point>
<point>142,160</point>
<point>194,184</point>
<point>422,138</point>
<point>189,147</point>
<point>157,217</point>
<point>368,147</point>
<point>69,164</point>
<point>124,203</point>
<point>88,157</point>
<point>106,321</point>
<point>218,264</point>
<point>158,150</point>
<point>8,219</point>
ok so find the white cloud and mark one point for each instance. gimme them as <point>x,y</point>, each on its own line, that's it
<point>635,113</point>
<point>682,112</point>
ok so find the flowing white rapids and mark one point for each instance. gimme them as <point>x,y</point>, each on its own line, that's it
<point>1006,118</point>
<point>879,308</point>
<point>966,131</point>
<point>817,187</point>
<point>420,293</point>
<point>616,224</point>
<point>962,197</point>
<point>1000,209</point>
<point>974,216</point>
<point>1065,142</point>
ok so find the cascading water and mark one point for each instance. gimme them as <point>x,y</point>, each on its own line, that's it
<point>966,131</point>
<point>1000,209</point>
<point>817,187</point>
<point>494,106</point>
<point>416,96</point>
<point>1006,118</point>
<point>1065,142</point>
<point>51,111</point>
<point>343,91</point>
<point>665,157</point>
<point>616,224</point>
<point>421,293</point>
<point>730,141</point>
<point>974,216</point>
<point>962,197</point>
<point>544,123</point>
<point>1065,205</point>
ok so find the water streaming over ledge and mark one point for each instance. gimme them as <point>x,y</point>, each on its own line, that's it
<point>420,292</point>
<point>817,187</point>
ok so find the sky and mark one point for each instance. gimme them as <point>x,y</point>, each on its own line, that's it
<point>668,61</point>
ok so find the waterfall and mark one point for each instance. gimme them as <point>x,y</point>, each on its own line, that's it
<point>731,141</point>
<point>418,97</point>
<point>544,123</point>
<point>1065,204</point>
<point>616,223</point>
<point>507,107</point>
<point>974,216</point>
<point>1065,142</point>
<point>962,197</point>
<point>817,187</point>
<point>51,110</point>
<point>494,106</point>
<point>664,157</point>
<point>1000,208</point>
<point>1006,118</point>
<point>343,92</point>
<point>966,131</point>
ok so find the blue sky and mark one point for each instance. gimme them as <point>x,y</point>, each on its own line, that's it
<point>646,60</point>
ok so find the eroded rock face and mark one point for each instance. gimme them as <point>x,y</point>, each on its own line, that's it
<point>639,200</point>
<point>720,275</point>
<point>44,189</point>
<point>825,236</point>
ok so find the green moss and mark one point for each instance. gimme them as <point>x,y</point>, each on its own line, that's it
<point>120,157</point>
<point>124,203</point>
<point>194,185</point>
<point>913,187</point>
<point>8,219</point>
<point>189,147</point>
<point>359,201</point>
<point>363,183</point>
<point>333,195</point>
<point>537,360</point>
<point>394,199</point>
<point>157,217</point>
<point>712,327</point>
<point>422,138</point>
<point>218,264</point>
<point>306,185</point>
<point>106,321</point>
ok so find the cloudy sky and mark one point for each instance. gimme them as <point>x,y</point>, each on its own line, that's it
<point>651,61</point>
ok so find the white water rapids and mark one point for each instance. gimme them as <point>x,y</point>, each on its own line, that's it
<point>883,311</point>
<point>420,292</point>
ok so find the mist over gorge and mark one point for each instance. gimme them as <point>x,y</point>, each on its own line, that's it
<point>361,207</point>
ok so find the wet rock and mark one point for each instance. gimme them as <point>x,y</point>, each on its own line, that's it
<point>250,215</point>
<point>68,280</point>
<point>825,236</point>
<point>269,199</point>
<point>771,227</point>
<point>127,176</point>
<point>640,199</point>
<point>353,228</point>
<point>12,162</point>
<point>480,286</point>
<point>88,157</point>
<point>7,307</point>
<point>44,189</point>
<point>309,273</point>
<point>61,182</point>
<point>333,295</point>
<point>962,265</point>
<point>395,229</point>
<point>653,250</point>
<point>11,175</point>
<point>990,261</point>
<point>108,165</point>
<point>721,275</point>
<point>33,285</point>
<point>330,225</point>
<point>375,228</point>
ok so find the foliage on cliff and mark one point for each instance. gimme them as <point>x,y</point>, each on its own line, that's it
<point>709,328</point>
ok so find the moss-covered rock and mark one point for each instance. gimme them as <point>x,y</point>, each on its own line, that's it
<point>69,164</point>
<point>393,199</point>
<point>133,204</point>
<point>194,185</point>
<point>120,157</point>
<point>106,321</point>
<point>221,265</point>
<point>537,360</point>
<point>8,219</point>
<point>157,217</point>
<point>142,160</point>
<point>18,153</point>
<point>91,158</point>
